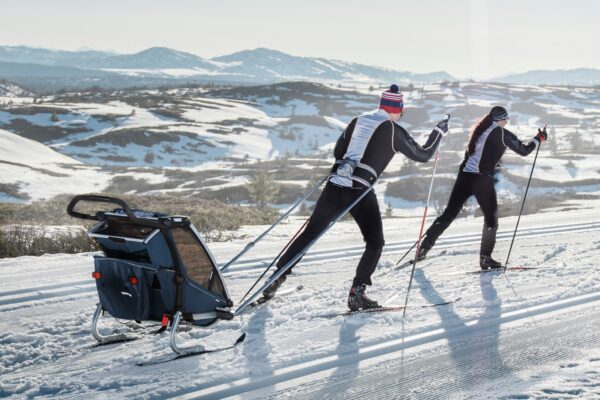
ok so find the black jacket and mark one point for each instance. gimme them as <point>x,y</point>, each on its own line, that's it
<point>494,147</point>
<point>387,140</point>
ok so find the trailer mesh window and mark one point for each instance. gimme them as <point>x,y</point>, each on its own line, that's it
<point>197,263</point>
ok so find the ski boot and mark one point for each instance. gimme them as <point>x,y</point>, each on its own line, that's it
<point>423,250</point>
<point>269,292</point>
<point>487,263</point>
<point>358,300</point>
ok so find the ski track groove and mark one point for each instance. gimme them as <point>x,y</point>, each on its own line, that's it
<point>455,375</point>
<point>317,257</point>
<point>444,242</point>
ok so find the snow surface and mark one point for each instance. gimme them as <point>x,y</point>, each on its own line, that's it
<point>17,149</point>
<point>214,131</point>
<point>525,335</point>
<point>42,172</point>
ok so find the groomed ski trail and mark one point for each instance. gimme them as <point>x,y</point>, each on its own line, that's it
<point>45,339</point>
<point>25,296</point>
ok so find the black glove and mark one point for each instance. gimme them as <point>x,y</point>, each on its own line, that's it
<point>442,127</point>
<point>541,135</point>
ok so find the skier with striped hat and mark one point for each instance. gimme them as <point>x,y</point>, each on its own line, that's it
<point>362,153</point>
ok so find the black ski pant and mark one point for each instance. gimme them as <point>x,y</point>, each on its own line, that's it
<point>466,185</point>
<point>332,202</point>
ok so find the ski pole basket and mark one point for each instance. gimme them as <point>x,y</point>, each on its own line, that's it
<point>155,267</point>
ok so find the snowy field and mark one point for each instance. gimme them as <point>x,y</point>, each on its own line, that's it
<point>156,139</point>
<point>526,335</point>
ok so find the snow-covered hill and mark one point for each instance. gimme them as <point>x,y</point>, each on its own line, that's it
<point>529,334</point>
<point>33,169</point>
<point>201,142</point>
<point>10,90</point>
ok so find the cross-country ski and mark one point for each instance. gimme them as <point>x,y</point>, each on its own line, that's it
<point>457,271</point>
<point>281,293</point>
<point>388,308</point>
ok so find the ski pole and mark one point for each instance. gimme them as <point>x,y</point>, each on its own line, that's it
<point>522,206</point>
<point>251,244</point>
<point>275,259</point>
<point>412,272</point>
<point>408,251</point>
<point>301,254</point>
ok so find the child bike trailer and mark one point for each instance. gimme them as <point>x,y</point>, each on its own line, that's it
<point>154,267</point>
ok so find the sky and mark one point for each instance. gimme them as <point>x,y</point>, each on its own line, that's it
<point>467,38</point>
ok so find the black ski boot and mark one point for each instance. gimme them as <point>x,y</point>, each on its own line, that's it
<point>423,250</point>
<point>487,262</point>
<point>269,292</point>
<point>358,300</point>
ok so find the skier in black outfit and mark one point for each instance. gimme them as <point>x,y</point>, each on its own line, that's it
<point>362,152</point>
<point>486,146</point>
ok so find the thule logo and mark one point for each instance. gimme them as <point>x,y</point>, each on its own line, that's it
<point>126,294</point>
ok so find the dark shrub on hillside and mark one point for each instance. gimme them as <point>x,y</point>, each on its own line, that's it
<point>24,240</point>
<point>207,215</point>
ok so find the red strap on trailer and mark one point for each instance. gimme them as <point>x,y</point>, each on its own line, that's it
<point>163,324</point>
<point>165,320</point>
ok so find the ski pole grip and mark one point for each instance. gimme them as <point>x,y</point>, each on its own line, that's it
<point>97,199</point>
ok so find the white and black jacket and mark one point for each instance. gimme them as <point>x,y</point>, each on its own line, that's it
<point>372,140</point>
<point>490,147</point>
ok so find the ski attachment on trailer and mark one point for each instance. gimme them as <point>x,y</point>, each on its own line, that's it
<point>190,354</point>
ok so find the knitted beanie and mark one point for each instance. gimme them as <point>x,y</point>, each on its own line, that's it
<point>391,100</point>
<point>498,113</point>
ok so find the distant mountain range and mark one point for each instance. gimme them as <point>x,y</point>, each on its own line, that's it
<point>161,65</point>
<point>579,76</point>
<point>249,66</point>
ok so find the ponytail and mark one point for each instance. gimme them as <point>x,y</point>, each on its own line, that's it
<point>478,130</point>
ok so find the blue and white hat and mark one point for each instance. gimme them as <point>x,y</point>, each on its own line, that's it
<point>498,113</point>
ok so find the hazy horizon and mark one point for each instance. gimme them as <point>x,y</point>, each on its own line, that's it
<point>478,39</point>
<point>87,48</point>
